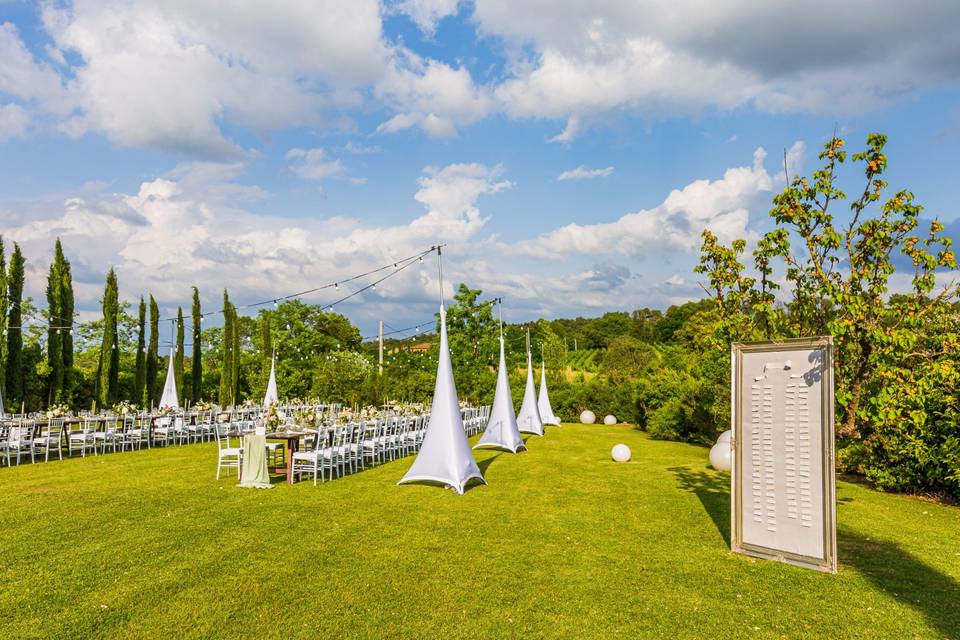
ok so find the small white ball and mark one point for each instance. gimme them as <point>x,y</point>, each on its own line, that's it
<point>725,436</point>
<point>610,420</point>
<point>588,417</point>
<point>720,456</point>
<point>621,453</point>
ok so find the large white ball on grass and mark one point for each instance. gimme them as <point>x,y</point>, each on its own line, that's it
<point>621,453</point>
<point>720,456</point>
<point>610,420</point>
<point>588,417</point>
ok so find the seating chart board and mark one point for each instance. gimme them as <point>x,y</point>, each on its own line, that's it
<point>783,503</point>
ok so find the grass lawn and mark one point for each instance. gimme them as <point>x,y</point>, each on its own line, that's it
<point>561,543</point>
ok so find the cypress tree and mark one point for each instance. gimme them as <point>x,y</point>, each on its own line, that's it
<point>14,364</point>
<point>66,319</point>
<point>3,317</point>
<point>178,358</point>
<point>54,324</point>
<point>140,377</point>
<point>196,352</point>
<point>226,355</point>
<point>235,378</point>
<point>153,361</point>
<point>109,347</point>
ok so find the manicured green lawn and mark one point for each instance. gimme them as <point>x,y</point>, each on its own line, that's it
<point>561,543</point>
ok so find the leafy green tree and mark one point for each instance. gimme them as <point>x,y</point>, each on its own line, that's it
<point>153,357</point>
<point>178,357</point>
<point>266,347</point>
<point>15,365</point>
<point>473,335</point>
<point>109,369</point>
<point>300,335</point>
<point>196,354</point>
<point>140,375</point>
<point>338,376</point>
<point>895,355</point>
<point>675,317</point>
<point>627,358</point>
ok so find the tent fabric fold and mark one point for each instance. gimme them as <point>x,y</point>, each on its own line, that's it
<point>271,395</point>
<point>445,456</point>
<point>502,431</point>
<point>543,402</point>
<point>529,418</point>
<point>169,397</point>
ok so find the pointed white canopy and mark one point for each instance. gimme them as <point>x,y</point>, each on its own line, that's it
<point>502,431</point>
<point>169,397</point>
<point>445,457</point>
<point>529,417</point>
<point>2,412</point>
<point>271,396</point>
<point>543,402</point>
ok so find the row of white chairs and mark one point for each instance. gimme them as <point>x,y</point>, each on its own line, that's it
<point>35,437</point>
<point>348,448</point>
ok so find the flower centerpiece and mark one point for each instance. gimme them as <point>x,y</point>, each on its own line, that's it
<point>124,408</point>
<point>202,405</point>
<point>165,410</point>
<point>306,417</point>
<point>272,419</point>
<point>57,411</point>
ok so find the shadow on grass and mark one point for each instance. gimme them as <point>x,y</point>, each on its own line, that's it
<point>485,464</point>
<point>905,578</point>
<point>713,491</point>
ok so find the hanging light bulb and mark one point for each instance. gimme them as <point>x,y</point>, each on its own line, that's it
<point>58,331</point>
<point>421,259</point>
<point>374,286</point>
<point>274,304</point>
<point>395,266</point>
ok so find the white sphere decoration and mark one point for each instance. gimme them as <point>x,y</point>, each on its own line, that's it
<point>588,417</point>
<point>720,456</point>
<point>621,453</point>
<point>725,436</point>
<point>610,420</point>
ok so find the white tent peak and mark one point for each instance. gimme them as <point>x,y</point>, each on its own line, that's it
<point>169,397</point>
<point>271,396</point>
<point>529,418</point>
<point>502,431</point>
<point>445,457</point>
<point>543,402</point>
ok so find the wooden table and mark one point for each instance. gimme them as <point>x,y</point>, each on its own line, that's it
<point>292,439</point>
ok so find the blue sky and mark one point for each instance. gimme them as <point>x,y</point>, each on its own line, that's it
<point>273,148</point>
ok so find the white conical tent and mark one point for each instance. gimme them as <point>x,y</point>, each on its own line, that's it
<point>529,417</point>
<point>169,397</point>
<point>502,431</point>
<point>2,412</point>
<point>543,402</point>
<point>445,456</point>
<point>271,396</point>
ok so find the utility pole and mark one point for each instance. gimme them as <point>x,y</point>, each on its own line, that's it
<point>381,348</point>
